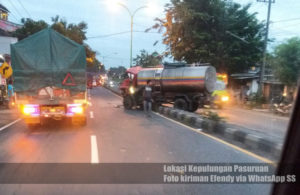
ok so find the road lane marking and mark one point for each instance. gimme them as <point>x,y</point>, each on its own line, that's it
<point>214,138</point>
<point>10,124</point>
<point>92,114</point>
<point>94,150</point>
<point>222,141</point>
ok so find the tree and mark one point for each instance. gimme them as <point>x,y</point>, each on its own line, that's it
<point>199,31</point>
<point>145,59</point>
<point>75,32</point>
<point>29,27</point>
<point>116,72</point>
<point>287,61</point>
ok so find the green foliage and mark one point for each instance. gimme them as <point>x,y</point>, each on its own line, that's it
<point>256,100</point>
<point>145,59</point>
<point>287,61</point>
<point>116,72</point>
<point>29,27</point>
<point>197,31</point>
<point>96,67</point>
<point>212,116</point>
<point>76,32</point>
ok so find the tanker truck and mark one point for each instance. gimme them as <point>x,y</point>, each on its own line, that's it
<point>187,87</point>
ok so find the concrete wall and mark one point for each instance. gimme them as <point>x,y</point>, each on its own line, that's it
<point>5,44</point>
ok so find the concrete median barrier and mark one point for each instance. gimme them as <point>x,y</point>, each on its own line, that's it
<point>160,109</point>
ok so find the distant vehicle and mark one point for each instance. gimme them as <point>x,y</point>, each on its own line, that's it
<point>186,87</point>
<point>50,78</point>
<point>94,83</point>
<point>220,96</point>
<point>89,84</point>
<point>111,84</point>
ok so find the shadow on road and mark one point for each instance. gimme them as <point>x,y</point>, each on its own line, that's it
<point>55,126</point>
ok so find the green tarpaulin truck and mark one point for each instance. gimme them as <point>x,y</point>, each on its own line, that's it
<point>49,78</point>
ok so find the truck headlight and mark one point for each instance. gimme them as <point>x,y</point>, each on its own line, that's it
<point>225,98</point>
<point>131,90</point>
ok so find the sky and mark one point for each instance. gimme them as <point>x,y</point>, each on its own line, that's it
<point>115,50</point>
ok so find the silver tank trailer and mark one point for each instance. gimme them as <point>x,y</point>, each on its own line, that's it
<point>181,79</point>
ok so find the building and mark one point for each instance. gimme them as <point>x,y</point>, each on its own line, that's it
<point>250,79</point>
<point>6,25</point>
<point>6,29</point>
<point>6,38</point>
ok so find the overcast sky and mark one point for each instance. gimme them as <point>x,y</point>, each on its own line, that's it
<point>101,20</point>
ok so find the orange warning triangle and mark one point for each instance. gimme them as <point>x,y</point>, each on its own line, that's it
<point>69,76</point>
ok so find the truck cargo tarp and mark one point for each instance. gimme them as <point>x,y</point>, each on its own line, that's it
<point>47,58</point>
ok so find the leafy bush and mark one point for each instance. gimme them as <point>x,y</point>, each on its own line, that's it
<point>212,116</point>
<point>256,100</point>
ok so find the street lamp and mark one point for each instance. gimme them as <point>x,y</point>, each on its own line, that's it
<point>131,14</point>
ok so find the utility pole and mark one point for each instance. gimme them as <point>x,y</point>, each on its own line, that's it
<point>262,71</point>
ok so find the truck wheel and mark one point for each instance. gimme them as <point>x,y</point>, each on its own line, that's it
<point>195,106</point>
<point>180,104</point>
<point>155,106</point>
<point>128,102</point>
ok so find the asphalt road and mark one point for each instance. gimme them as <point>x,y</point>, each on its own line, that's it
<point>266,123</point>
<point>117,136</point>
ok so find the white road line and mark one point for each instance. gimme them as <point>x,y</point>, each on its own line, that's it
<point>222,141</point>
<point>10,124</point>
<point>94,150</point>
<point>91,114</point>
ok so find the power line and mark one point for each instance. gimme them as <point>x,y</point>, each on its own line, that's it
<point>120,33</point>
<point>286,20</point>
<point>290,25</point>
<point>108,35</point>
<point>15,8</point>
<point>24,8</point>
<point>14,17</point>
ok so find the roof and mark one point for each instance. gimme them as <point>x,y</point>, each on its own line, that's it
<point>3,8</point>
<point>134,70</point>
<point>9,26</point>
<point>250,74</point>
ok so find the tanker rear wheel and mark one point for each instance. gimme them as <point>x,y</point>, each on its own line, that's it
<point>195,106</point>
<point>128,102</point>
<point>180,104</point>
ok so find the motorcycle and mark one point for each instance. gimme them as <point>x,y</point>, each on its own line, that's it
<point>279,105</point>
